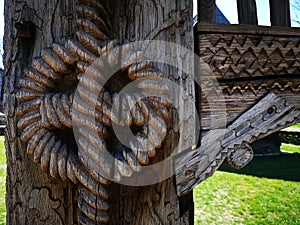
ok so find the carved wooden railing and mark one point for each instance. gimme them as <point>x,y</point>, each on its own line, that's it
<point>248,62</point>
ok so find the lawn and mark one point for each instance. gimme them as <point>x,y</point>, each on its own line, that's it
<point>296,125</point>
<point>228,198</point>
<point>267,192</point>
<point>290,148</point>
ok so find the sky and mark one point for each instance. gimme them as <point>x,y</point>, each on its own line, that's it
<point>228,7</point>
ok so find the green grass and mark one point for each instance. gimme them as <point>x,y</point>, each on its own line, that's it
<point>228,198</point>
<point>296,125</point>
<point>267,191</point>
<point>2,181</point>
<point>290,148</point>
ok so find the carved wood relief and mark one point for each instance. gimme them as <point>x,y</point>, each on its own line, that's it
<point>269,115</point>
<point>248,62</point>
<point>45,110</point>
<point>245,63</point>
<point>238,53</point>
<point>250,67</point>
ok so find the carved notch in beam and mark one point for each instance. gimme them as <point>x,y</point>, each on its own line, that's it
<point>268,116</point>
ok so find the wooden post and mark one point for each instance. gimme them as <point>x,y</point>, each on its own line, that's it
<point>247,12</point>
<point>207,10</point>
<point>48,44</point>
<point>280,13</point>
<point>32,196</point>
<point>154,204</point>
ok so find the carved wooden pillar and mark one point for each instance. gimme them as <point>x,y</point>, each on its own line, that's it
<point>280,13</point>
<point>207,10</point>
<point>154,204</point>
<point>247,12</point>
<point>48,48</point>
<point>32,196</point>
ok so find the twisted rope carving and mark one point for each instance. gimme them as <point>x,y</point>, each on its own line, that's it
<point>41,112</point>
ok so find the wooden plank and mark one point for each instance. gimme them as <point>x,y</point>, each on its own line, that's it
<point>280,13</point>
<point>248,61</point>
<point>241,95</point>
<point>268,116</point>
<point>247,12</point>
<point>205,27</point>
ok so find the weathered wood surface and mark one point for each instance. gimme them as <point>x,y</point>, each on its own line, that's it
<point>248,62</point>
<point>247,12</point>
<point>280,13</point>
<point>45,92</point>
<point>246,29</point>
<point>207,10</point>
<point>156,204</point>
<point>234,54</point>
<point>239,96</point>
<point>32,196</point>
<point>268,116</point>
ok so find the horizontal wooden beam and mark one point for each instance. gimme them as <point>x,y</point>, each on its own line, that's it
<point>247,29</point>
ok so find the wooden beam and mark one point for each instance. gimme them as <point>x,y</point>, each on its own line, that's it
<point>270,115</point>
<point>207,10</point>
<point>280,13</point>
<point>209,28</point>
<point>247,12</point>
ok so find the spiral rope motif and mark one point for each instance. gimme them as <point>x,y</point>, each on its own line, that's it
<point>42,111</point>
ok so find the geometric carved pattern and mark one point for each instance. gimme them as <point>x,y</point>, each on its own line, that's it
<point>264,86</point>
<point>43,112</point>
<point>248,61</point>
<point>236,54</point>
<point>239,96</point>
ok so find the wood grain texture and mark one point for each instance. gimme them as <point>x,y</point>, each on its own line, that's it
<point>235,54</point>
<point>247,12</point>
<point>32,196</point>
<point>207,10</point>
<point>48,84</point>
<point>248,62</point>
<point>268,116</point>
<point>153,204</point>
<point>280,13</point>
<point>238,96</point>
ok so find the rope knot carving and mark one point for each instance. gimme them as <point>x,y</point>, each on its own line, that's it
<point>47,113</point>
